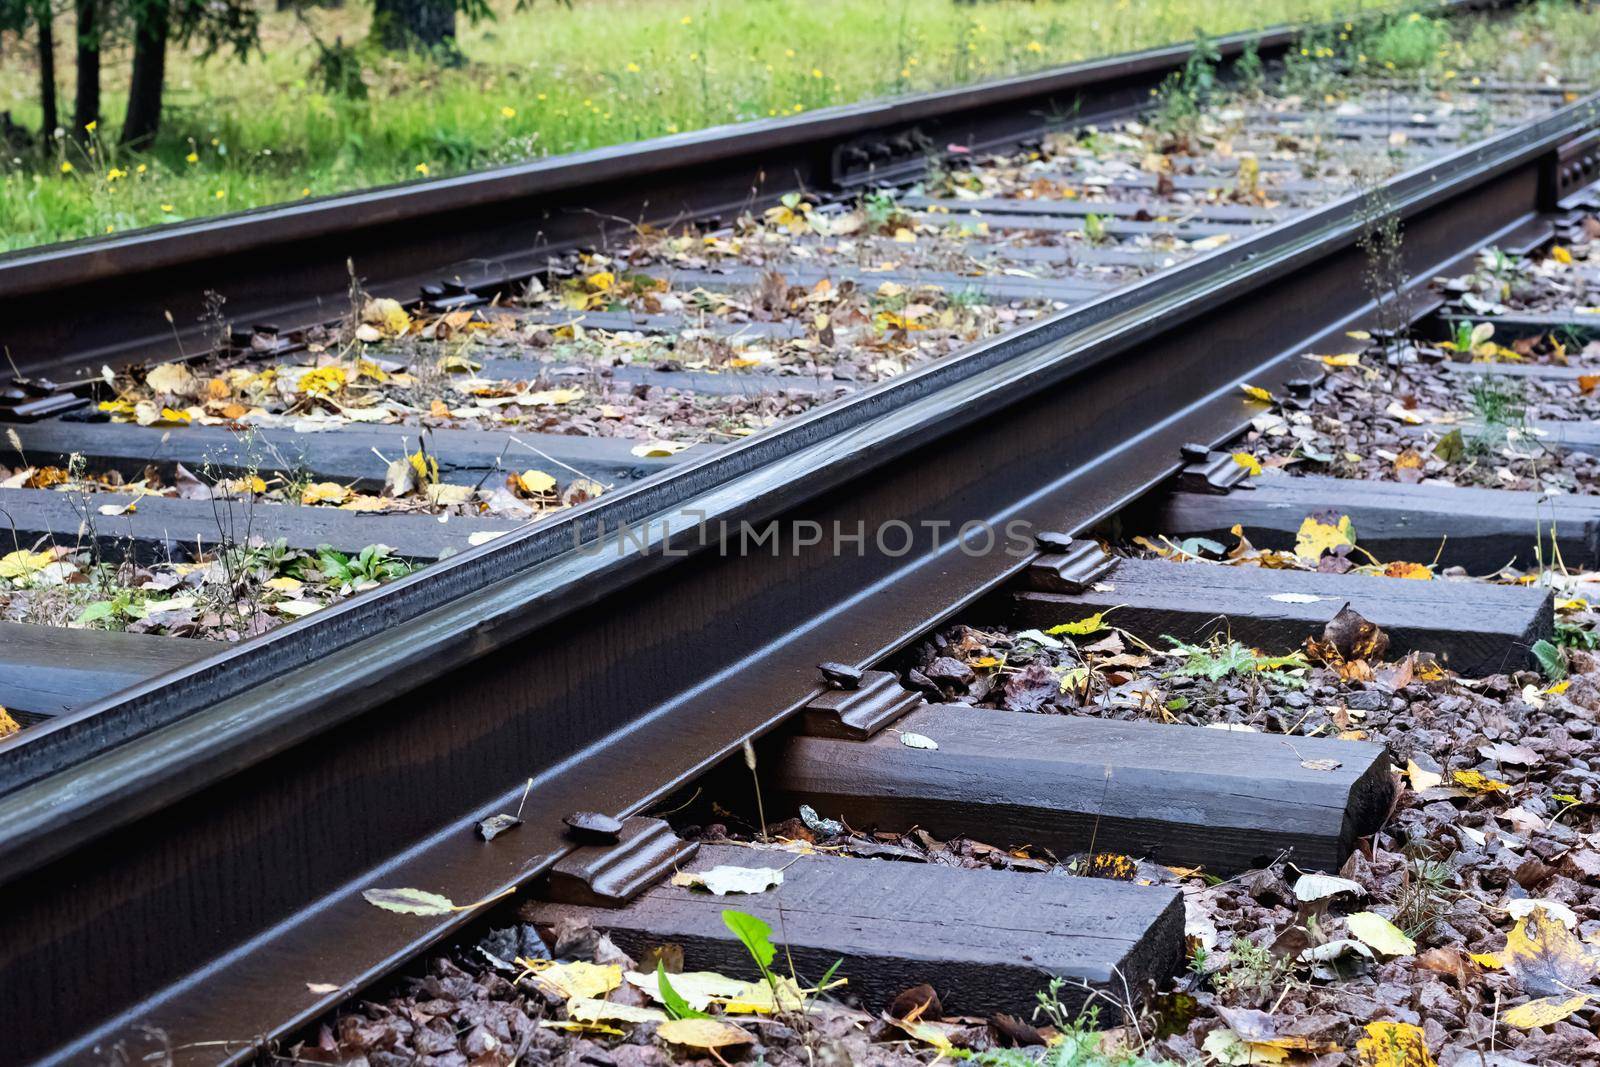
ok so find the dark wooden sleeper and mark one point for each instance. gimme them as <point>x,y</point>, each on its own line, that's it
<point>1222,800</point>
<point>1474,627</point>
<point>50,669</point>
<point>987,941</point>
<point>1479,529</point>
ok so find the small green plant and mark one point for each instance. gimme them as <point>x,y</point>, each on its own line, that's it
<point>1408,43</point>
<point>1184,94</point>
<point>1550,658</point>
<point>1221,658</point>
<point>1248,68</point>
<point>1252,974</point>
<point>1497,403</point>
<point>373,564</point>
<point>676,1006</point>
<point>1094,228</point>
<point>1571,635</point>
<point>1424,896</point>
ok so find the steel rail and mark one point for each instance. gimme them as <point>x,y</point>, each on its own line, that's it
<point>68,309</point>
<point>206,839</point>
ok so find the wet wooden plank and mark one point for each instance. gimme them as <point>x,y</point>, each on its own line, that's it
<point>1479,529</point>
<point>1475,627</point>
<point>160,528</point>
<point>1181,795</point>
<point>987,941</point>
<point>350,454</point>
<point>48,670</point>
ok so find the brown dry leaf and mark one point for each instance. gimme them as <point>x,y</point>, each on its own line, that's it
<point>1587,383</point>
<point>708,1034</point>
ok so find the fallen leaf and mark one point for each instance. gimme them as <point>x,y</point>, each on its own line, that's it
<point>321,988</point>
<point>697,988</point>
<point>1227,1047</point>
<point>590,1010</point>
<point>656,449</point>
<point>324,493</point>
<point>21,563</point>
<point>410,901</point>
<point>1092,624</point>
<point>535,483</point>
<point>703,1033</point>
<point>1478,782</point>
<point>1523,907</point>
<point>911,740</point>
<point>1255,392</point>
<point>1316,537</point>
<point>1394,1045</point>
<point>1319,886</point>
<point>1543,1011</point>
<point>1546,958</point>
<point>1380,934</point>
<point>577,979</point>
<point>724,879</point>
<point>1420,778</point>
<point>1248,462</point>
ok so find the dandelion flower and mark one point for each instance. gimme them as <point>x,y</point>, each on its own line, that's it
<point>90,126</point>
<point>686,20</point>
<point>1035,46</point>
<point>422,169</point>
<point>632,68</point>
<point>66,167</point>
<point>167,208</point>
<point>508,112</point>
<point>221,194</point>
<point>192,158</point>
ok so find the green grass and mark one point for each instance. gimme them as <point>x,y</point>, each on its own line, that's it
<point>548,80</point>
<point>554,79</point>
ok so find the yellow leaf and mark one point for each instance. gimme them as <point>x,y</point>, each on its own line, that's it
<point>21,563</point>
<point>1316,537</point>
<point>324,493</point>
<point>1560,687</point>
<point>1380,934</point>
<point>363,502</point>
<point>8,725</point>
<point>1346,359</point>
<point>1255,392</point>
<point>247,483</point>
<point>1560,255</point>
<point>546,397</point>
<point>1485,959</point>
<point>600,281</point>
<point>1543,1011</point>
<point>758,998</point>
<point>174,379</point>
<point>283,584</point>
<point>1394,1045</point>
<point>1417,571</point>
<point>1358,335</point>
<point>1478,782</point>
<point>572,1026</point>
<point>1545,958</point>
<point>1572,604</point>
<point>697,988</point>
<point>588,1010</point>
<point>535,483</point>
<point>324,381</point>
<point>1248,462</point>
<point>1090,625</point>
<point>1226,1047</point>
<point>703,1033</point>
<point>387,315</point>
<point>579,979</point>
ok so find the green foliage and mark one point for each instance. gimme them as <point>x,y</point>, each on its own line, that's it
<point>373,564</point>
<point>1224,658</point>
<point>755,935</point>
<point>1248,68</point>
<point>1498,402</point>
<point>1571,635</point>
<point>1079,1044</point>
<point>1407,42</point>
<point>553,79</point>
<point>1550,658</point>
<point>1184,94</point>
<point>676,1006</point>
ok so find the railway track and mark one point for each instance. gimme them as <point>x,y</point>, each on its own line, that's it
<point>1037,345</point>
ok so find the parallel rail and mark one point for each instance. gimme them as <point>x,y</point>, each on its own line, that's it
<point>212,828</point>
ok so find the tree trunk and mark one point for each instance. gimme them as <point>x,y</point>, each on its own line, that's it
<point>422,25</point>
<point>87,108</point>
<point>151,23</point>
<point>47,72</point>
